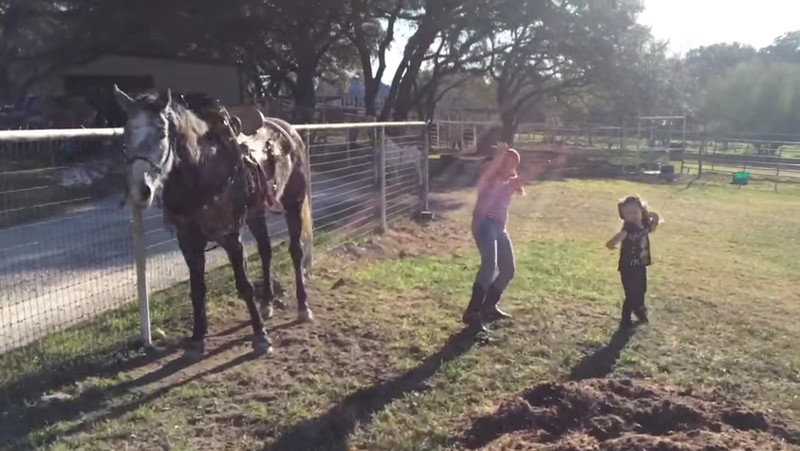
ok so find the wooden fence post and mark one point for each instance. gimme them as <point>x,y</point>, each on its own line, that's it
<point>380,148</point>
<point>426,150</point>
<point>142,290</point>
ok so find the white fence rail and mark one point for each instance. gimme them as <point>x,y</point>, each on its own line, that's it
<point>69,252</point>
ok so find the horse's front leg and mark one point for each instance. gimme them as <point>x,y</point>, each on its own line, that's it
<point>233,246</point>
<point>257,223</point>
<point>293,223</point>
<point>192,245</point>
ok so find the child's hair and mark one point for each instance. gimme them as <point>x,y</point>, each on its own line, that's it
<point>636,200</point>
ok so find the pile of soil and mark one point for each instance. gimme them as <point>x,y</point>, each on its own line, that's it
<point>603,414</point>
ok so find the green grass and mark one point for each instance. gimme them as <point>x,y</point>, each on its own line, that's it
<point>384,366</point>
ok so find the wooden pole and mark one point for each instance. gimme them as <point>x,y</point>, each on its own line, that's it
<point>142,289</point>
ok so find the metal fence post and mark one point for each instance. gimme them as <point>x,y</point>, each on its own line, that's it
<point>142,290</point>
<point>426,150</point>
<point>309,247</point>
<point>380,142</point>
<point>474,136</point>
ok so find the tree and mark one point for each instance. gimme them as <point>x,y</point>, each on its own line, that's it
<point>786,48</point>
<point>447,39</point>
<point>476,92</point>
<point>758,97</point>
<point>39,37</point>
<point>371,41</point>
<point>555,48</point>
<point>286,44</point>
<point>641,79</point>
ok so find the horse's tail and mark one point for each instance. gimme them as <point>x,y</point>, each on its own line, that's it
<point>307,233</point>
<point>306,222</point>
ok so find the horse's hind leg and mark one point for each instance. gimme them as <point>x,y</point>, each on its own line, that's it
<point>233,246</point>
<point>293,223</point>
<point>257,223</point>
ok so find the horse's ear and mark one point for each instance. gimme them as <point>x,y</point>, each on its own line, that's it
<point>123,100</point>
<point>164,100</point>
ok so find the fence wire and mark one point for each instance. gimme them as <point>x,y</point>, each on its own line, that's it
<point>66,252</point>
<point>65,243</point>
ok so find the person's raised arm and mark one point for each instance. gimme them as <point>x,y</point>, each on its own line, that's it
<point>500,150</point>
<point>655,221</point>
<point>616,239</point>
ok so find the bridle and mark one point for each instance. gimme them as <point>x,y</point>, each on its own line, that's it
<point>161,167</point>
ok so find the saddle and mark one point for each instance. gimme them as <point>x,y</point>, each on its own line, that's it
<point>225,130</point>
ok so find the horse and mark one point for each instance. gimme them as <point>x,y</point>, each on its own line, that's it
<point>210,180</point>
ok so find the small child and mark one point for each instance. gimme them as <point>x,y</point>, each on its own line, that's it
<point>634,256</point>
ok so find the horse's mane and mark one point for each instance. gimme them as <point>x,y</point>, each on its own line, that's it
<point>189,127</point>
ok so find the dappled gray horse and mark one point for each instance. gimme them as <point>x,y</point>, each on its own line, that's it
<point>211,180</point>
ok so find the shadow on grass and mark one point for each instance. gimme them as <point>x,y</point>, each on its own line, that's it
<point>34,371</point>
<point>331,430</point>
<point>92,406</point>
<point>102,348</point>
<point>601,362</point>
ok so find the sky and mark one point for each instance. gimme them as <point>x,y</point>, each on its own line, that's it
<point>687,24</point>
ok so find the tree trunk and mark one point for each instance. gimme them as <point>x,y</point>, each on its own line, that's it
<point>510,122</point>
<point>508,132</point>
<point>305,99</point>
<point>370,95</point>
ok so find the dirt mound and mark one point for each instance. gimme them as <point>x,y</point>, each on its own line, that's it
<point>601,414</point>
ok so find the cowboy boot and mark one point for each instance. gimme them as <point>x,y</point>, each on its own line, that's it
<point>490,311</point>
<point>641,314</point>
<point>472,313</point>
<point>625,322</point>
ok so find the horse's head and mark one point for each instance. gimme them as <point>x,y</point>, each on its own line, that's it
<point>150,140</point>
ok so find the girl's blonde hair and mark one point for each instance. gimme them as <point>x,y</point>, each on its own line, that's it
<point>518,158</point>
<point>514,154</point>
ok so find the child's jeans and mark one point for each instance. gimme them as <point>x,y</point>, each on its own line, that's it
<point>497,255</point>
<point>634,282</point>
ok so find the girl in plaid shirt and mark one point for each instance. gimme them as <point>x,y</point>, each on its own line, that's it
<point>496,186</point>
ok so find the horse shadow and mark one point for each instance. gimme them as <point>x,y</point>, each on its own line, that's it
<point>25,418</point>
<point>600,363</point>
<point>331,430</point>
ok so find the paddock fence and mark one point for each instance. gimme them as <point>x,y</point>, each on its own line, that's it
<point>70,252</point>
<point>611,150</point>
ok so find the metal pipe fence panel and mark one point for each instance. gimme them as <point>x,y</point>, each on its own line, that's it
<point>66,247</point>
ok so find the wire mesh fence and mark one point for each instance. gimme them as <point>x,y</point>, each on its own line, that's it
<point>66,247</point>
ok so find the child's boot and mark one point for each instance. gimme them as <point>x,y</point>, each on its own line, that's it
<point>625,322</point>
<point>641,314</point>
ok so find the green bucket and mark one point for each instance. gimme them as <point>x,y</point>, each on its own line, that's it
<point>741,178</point>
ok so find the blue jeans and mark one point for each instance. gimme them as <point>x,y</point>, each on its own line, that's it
<point>497,255</point>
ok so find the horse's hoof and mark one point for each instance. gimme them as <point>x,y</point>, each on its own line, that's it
<point>261,344</point>
<point>267,311</point>
<point>305,315</point>
<point>279,303</point>
<point>194,349</point>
